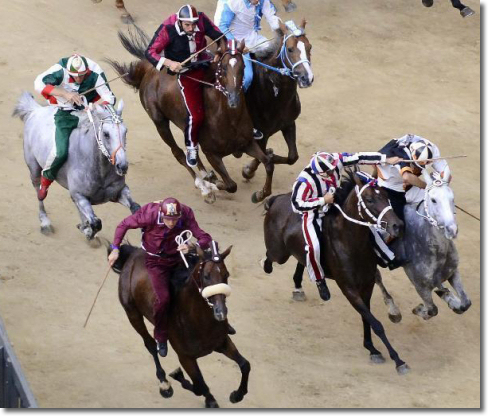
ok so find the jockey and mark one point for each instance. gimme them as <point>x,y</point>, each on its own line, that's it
<point>243,18</point>
<point>63,85</point>
<point>161,222</point>
<point>312,194</point>
<point>402,181</point>
<point>178,37</point>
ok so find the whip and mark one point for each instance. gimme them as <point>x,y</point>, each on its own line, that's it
<point>96,296</point>
<point>180,239</point>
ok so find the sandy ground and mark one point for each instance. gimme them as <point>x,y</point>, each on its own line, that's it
<point>382,69</point>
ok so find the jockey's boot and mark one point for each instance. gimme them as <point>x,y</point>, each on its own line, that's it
<point>192,156</point>
<point>258,135</point>
<point>466,12</point>
<point>323,289</point>
<point>230,329</point>
<point>428,3</point>
<point>42,191</point>
<point>162,348</point>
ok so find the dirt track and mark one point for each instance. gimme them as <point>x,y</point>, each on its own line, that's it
<point>382,70</point>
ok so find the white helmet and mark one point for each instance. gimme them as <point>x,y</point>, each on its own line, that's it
<point>323,162</point>
<point>77,65</point>
<point>420,151</point>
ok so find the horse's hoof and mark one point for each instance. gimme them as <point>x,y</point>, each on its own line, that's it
<point>458,311</point>
<point>266,265</point>
<point>395,318</point>
<point>467,12</point>
<point>247,173</point>
<point>96,1</point>
<point>235,397</point>
<point>47,230</point>
<point>212,404</point>
<point>428,3</point>
<point>210,177</point>
<point>299,295</point>
<point>127,19</point>
<point>166,393</point>
<point>94,242</point>
<point>209,198</point>
<point>377,358</point>
<point>290,7</point>
<point>403,369</point>
<point>257,197</point>
<point>237,155</point>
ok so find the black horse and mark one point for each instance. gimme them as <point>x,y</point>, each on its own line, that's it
<point>464,10</point>
<point>348,257</point>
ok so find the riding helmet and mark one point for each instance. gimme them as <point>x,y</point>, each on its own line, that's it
<point>187,13</point>
<point>170,208</point>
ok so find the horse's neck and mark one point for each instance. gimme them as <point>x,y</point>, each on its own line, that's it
<point>350,208</point>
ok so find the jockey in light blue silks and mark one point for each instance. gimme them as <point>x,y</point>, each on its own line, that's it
<point>243,18</point>
<point>62,85</point>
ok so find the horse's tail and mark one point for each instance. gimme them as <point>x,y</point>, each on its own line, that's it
<point>125,251</point>
<point>25,105</point>
<point>135,42</point>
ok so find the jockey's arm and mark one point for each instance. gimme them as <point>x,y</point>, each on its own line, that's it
<point>269,12</point>
<point>204,239</point>
<point>70,96</point>
<point>410,179</point>
<point>223,17</point>
<point>156,47</point>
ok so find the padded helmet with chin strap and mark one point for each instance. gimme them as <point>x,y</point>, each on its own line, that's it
<point>420,151</point>
<point>323,162</point>
<point>170,208</point>
<point>187,13</point>
<point>77,65</point>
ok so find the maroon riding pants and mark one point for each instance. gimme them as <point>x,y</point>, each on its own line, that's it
<point>159,270</point>
<point>192,92</point>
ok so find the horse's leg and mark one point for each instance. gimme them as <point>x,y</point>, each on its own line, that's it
<point>190,365</point>
<point>374,355</point>
<point>230,351</point>
<point>427,309</point>
<point>289,5</point>
<point>358,303</point>
<point>249,170</point>
<point>464,10</point>
<point>255,151</point>
<point>289,133</point>
<point>137,321</point>
<point>90,223</point>
<point>458,305</point>
<point>126,200</point>
<point>393,311</point>
<point>228,184</point>
<point>298,293</point>
<point>206,188</point>
<point>125,15</point>
<point>35,175</point>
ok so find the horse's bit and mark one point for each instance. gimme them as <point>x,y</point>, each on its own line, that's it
<point>113,118</point>
<point>436,183</point>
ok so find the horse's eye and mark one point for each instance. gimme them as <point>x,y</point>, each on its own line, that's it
<point>369,200</point>
<point>434,201</point>
<point>290,50</point>
<point>106,135</point>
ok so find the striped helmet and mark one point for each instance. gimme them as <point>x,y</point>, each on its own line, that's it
<point>171,208</point>
<point>187,13</point>
<point>421,151</point>
<point>77,65</point>
<point>323,162</point>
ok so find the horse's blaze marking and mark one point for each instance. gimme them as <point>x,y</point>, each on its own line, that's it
<point>233,62</point>
<point>303,55</point>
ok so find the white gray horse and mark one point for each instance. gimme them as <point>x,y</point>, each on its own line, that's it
<point>428,246</point>
<point>96,165</point>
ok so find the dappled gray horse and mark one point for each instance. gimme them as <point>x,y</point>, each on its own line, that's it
<point>428,246</point>
<point>96,165</point>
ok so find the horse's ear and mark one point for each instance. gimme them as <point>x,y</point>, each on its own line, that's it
<point>200,252</point>
<point>241,45</point>
<point>282,27</point>
<point>303,23</point>
<point>120,107</point>
<point>427,177</point>
<point>357,180</point>
<point>226,252</point>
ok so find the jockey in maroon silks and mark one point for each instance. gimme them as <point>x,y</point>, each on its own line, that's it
<point>161,222</point>
<point>181,35</point>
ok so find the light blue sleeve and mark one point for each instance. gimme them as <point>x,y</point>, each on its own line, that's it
<point>224,17</point>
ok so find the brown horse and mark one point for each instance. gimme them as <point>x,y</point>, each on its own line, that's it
<point>348,255</point>
<point>272,98</point>
<point>195,329</point>
<point>227,128</point>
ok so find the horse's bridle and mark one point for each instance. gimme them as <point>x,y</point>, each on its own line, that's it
<point>211,290</point>
<point>379,224</point>
<point>286,59</point>
<point>436,183</point>
<point>113,118</point>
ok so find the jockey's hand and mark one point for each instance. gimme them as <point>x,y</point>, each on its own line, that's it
<point>184,248</point>
<point>328,198</point>
<point>112,258</point>
<point>175,66</point>
<point>74,98</point>
<point>393,160</point>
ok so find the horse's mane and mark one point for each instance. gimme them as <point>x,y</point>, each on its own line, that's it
<point>272,48</point>
<point>343,191</point>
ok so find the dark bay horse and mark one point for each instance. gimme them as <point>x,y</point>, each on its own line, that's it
<point>227,128</point>
<point>272,98</point>
<point>348,255</point>
<point>197,316</point>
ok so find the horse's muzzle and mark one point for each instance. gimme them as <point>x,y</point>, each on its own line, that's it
<point>233,99</point>
<point>395,229</point>
<point>451,231</point>
<point>121,168</point>
<point>304,81</point>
